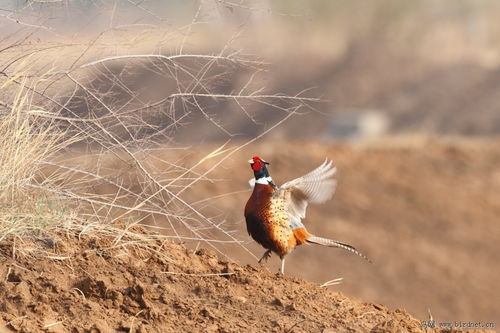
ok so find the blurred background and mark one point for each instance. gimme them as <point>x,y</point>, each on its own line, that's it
<point>403,96</point>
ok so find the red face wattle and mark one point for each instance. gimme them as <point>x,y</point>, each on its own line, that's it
<point>257,163</point>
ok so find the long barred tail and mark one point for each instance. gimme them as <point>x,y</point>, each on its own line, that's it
<point>332,243</point>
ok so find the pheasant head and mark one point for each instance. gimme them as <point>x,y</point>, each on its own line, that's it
<point>259,167</point>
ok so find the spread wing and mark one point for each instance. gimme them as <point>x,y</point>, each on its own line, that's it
<point>315,187</point>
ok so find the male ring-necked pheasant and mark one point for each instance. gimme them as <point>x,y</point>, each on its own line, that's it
<point>273,214</point>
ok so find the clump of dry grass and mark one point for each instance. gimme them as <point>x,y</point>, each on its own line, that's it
<point>34,210</point>
<point>25,144</point>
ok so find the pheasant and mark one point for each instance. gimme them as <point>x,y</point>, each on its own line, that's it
<point>274,214</point>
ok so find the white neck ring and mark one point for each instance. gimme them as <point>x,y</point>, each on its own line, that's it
<point>264,180</point>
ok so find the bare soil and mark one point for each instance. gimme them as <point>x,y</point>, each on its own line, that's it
<point>99,289</point>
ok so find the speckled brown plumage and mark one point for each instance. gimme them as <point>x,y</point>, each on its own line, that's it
<point>268,222</point>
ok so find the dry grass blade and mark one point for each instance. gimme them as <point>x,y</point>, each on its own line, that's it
<point>332,282</point>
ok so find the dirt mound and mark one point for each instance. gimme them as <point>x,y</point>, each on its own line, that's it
<point>100,288</point>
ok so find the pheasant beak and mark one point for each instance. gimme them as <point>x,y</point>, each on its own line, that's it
<point>250,161</point>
